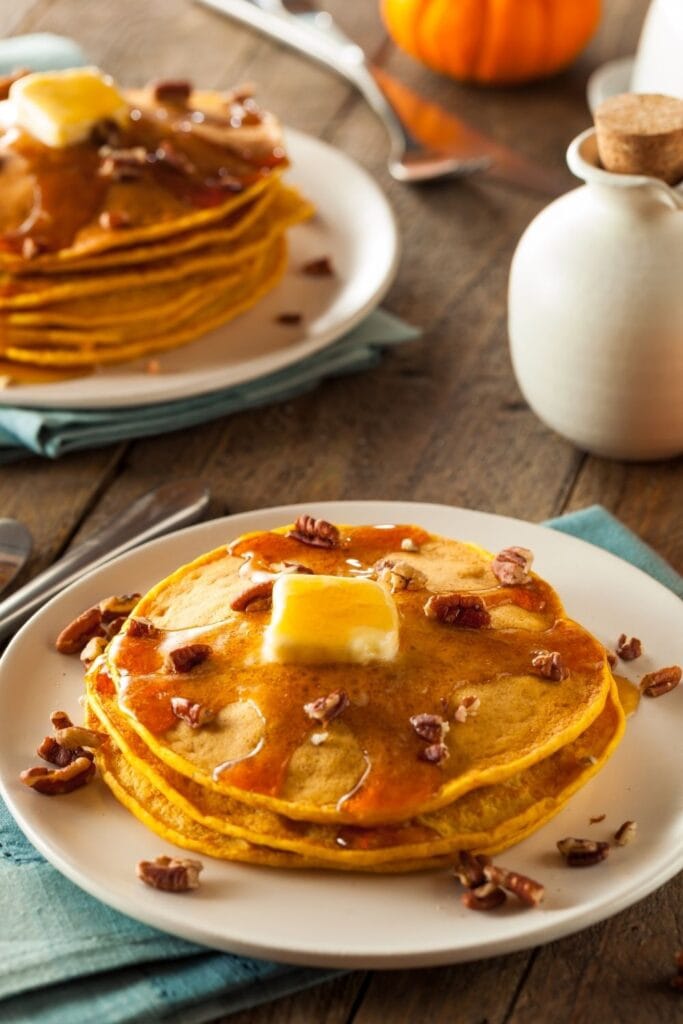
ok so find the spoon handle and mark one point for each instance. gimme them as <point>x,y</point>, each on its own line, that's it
<point>166,508</point>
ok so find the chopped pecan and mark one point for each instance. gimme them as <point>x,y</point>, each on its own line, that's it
<point>435,753</point>
<point>141,629</point>
<point>466,610</point>
<point>321,267</point>
<point>549,665</point>
<point>114,626</point>
<point>113,220</point>
<point>168,154</point>
<point>597,819</point>
<point>656,684</point>
<point>55,781</point>
<point>484,897</point>
<point>196,715</point>
<point>289,319</point>
<point>428,727</point>
<point>76,635</point>
<point>256,597</point>
<point>582,853</point>
<point>326,709</point>
<point>170,874</point>
<point>117,606</point>
<point>188,657</point>
<point>629,650</point>
<point>73,737</point>
<point>60,720</point>
<point>122,164</point>
<point>106,132</point>
<point>611,659</point>
<point>467,708</point>
<point>92,650</point>
<point>399,575</point>
<point>172,90</point>
<point>525,889</point>
<point>317,533</point>
<point>626,833</point>
<point>469,869</point>
<point>511,566</point>
<point>53,751</point>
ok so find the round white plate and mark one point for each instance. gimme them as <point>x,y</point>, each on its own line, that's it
<point>354,226</point>
<point>336,919</point>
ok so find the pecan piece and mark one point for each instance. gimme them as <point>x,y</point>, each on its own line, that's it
<point>186,658</point>
<point>596,819</point>
<point>469,869</point>
<point>467,707</point>
<point>656,684</point>
<point>141,629</point>
<point>550,665</point>
<point>73,737</point>
<point>484,897</point>
<point>106,132</point>
<point>432,728</point>
<point>172,90</point>
<point>626,833</point>
<point>435,753</point>
<point>29,248</point>
<point>611,659</point>
<point>317,533</point>
<point>60,720</point>
<point>408,544</point>
<point>117,606</point>
<point>113,220</point>
<point>52,751</point>
<point>629,650</point>
<point>122,164</point>
<point>83,628</point>
<point>321,267</point>
<point>399,575</point>
<point>92,650</point>
<point>289,319</point>
<point>466,610</point>
<point>524,888</point>
<point>326,709</point>
<point>256,597</point>
<point>511,566</point>
<point>582,853</point>
<point>196,715</point>
<point>55,781</point>
<point>170,874</point>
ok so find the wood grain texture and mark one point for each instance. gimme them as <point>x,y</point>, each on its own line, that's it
<point>441,419</point>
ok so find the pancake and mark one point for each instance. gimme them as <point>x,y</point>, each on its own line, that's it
<point>486,819</point>
<point>369,770</point>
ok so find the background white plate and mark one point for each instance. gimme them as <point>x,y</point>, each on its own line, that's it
<point>327,918</point>
<point>354,226</point>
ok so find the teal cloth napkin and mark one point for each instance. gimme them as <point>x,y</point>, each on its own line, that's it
<point>54,432</point>
<point>65,958</point>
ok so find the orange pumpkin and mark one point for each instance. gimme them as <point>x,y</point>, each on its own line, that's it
<point>492,41</point>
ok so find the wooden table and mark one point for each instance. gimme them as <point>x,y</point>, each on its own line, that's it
<point>440,420</point>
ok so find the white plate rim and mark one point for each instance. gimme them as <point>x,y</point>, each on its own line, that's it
<point>533,930</point>
<point>174,388</point>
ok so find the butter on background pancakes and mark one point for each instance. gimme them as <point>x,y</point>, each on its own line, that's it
<point>176,195</point>
<point>354,790</point>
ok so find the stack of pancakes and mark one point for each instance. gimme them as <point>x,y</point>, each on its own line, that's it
<point>219,751</point>
<point>142,238</point>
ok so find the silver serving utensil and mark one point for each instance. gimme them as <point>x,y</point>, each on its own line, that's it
<point>15,547</point>
<point>427,143</point>
<point>165,508</point>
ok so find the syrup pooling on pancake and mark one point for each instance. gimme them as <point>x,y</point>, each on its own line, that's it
<point>369,766</point>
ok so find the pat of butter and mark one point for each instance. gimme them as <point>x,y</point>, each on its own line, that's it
<point>319,619</point>
<point>60,108</point>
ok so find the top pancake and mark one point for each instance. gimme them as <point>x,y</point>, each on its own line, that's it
<point>189,164</point>
<point>368,770</point>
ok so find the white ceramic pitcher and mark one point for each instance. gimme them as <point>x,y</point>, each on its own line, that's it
<point>596,312</point>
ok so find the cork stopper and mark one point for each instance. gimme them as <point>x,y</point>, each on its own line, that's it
<point>641,133</point>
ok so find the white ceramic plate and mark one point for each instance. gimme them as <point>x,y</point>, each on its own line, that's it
<point>327,918</point>
<point>354,226</point>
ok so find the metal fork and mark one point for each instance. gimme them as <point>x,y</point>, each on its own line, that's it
<point>302,26</point>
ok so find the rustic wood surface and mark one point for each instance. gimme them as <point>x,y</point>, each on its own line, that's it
<point>440,420</point>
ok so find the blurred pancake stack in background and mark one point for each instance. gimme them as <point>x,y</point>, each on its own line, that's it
<point>131,222</point>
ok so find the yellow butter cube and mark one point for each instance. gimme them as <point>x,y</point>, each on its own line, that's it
<point>318,619</point>
<point>60,108</point>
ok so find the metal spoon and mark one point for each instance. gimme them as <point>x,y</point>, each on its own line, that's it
<point>15,547</point>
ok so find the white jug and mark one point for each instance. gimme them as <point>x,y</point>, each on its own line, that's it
<point>596,312</point>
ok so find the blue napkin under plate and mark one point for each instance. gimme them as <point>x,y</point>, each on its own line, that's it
<point>65,958</point>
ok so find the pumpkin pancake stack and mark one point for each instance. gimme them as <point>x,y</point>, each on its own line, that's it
<point>132,222</point>
<point>358,698</point>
